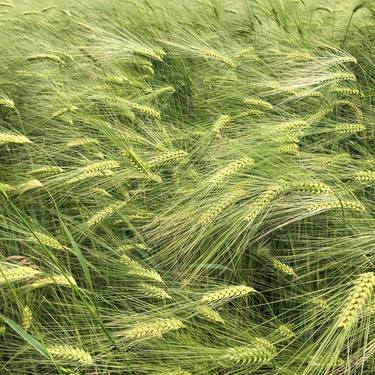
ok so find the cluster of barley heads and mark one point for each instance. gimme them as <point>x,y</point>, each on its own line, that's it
<point>187,187</point>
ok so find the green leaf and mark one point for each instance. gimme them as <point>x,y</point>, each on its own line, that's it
<point>37,345</point>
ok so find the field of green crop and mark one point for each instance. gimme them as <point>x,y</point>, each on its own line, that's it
<point>187,187</point>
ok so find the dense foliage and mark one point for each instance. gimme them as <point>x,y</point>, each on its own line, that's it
<point>187,187</point>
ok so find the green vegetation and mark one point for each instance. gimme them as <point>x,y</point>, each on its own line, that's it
<point>187,187</point>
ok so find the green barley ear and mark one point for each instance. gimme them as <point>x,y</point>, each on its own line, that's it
<point>174,372</point>
<point>225,294</point>
<point>154,291</point>
<point>349,128</point>
<point>141,165</point>
<point>99,166</point>
<point>262,351</point>
<point>81,142</point>
<point>6,102</point>
<point>256,102</point>
<point>361,291</point>
<point>167,157</point>
<point>286,331</point>
<point>104,213</point>
<point>345,204</point>
<point>8,138</point>
<point>219,124</point>
<point>153,329</point>
<point>209,314</point>
<point>364,176</point>
<point>69,354</point>
<point>26,317</point>
<point>46,171</point>
<point>17,274</point>
<point>136,269</point>
<point>44,57</point>
<point>263,200</point>
<point>283,268</point>
<point>59,280</point>
<point>2,329</point>
<point>48,241</point>
<point>230,169</point>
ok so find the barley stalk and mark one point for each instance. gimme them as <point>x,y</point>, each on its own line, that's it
<point>104,213</point>
<point>6,138</point>
<point>225,294</point>
<point>152,329</point>
<point>67,353</point>
<point>16,274</point>
<point>359,294</point>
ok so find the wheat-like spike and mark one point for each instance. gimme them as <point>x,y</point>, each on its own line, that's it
<point>230,169</point>
<point>225,294</point>
<point>319,301</point>
<point>5,187</point>
<point>100,191</point>
<point>99,166</point>
<point>167,157</point>
<point>245,52</point>
<point>365,176</point>
<point>147,52</point>
<point>137,269</point>
<point>61,112</point>
<point>10,5</point>
<point>151,329</point>
<point>2,329</point>
<point>174,372</point>
<point>340,76</point>
<point>16,274</point>
<point>263,201</point>
<point>361,291</point>
<point>263,351</point>
<point>220,123</point>
<point>13,138</point>
<point>154,291</point>
<point>250,112</point>
<point>145,273</point>
<point>146,110</point>
<point>346,128</point>
<point>340,157</point>
<point>81,142</point>
<point>288,138</point>
<point>347,91</point>
<point>104,213</point>
<point>6,102</point>
<point>300,56</point>
<point>311,187</point>
<point>32,75</point>
<point>140,165</point>
<point>319,115</point>
<point>44,57</point>
<point>47,240</point>
<point>67,353</point>
<point>288,149</point>
<point>286,331</point>
<point>305,94</point>
<point>46,171</point>
<point>61,280</point>
<point>256,102</point>
<point>355,109</point>
<point>29,185</point>
<point>292,125</point>
<point>219,207</point>
<point>283,268</point>
<point>132,246</point>
<point>88,175</point>
<point>32,13</point>
<point>209,314</point>
<point>27,317</point>
<point>218,57</point>
<point>324,206</point>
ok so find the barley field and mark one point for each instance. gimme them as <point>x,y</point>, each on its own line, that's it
<point>187,187</point>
